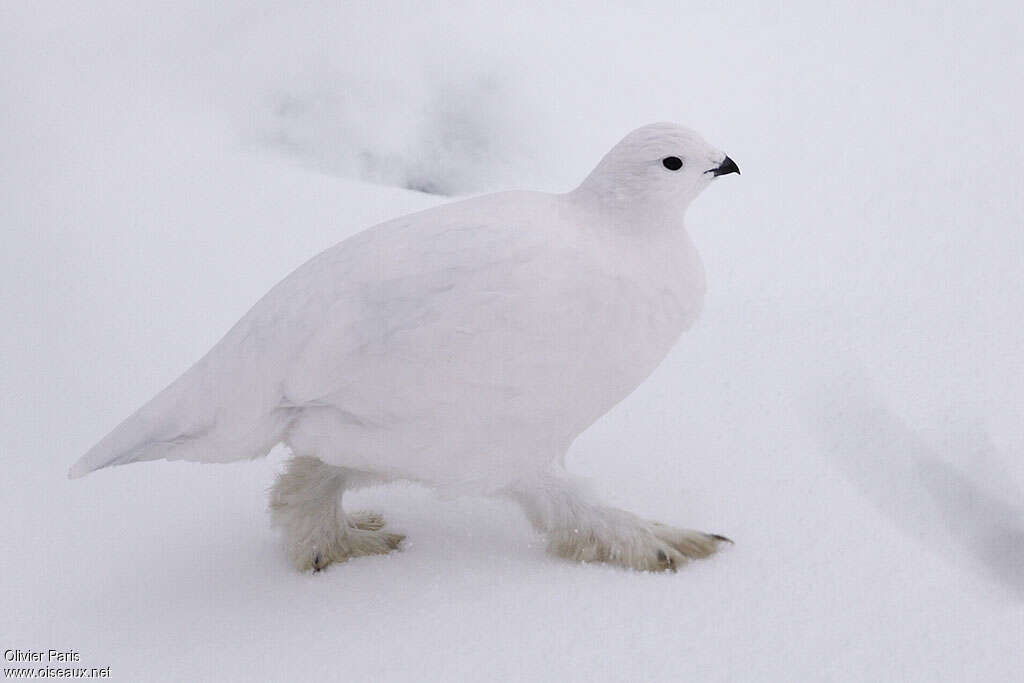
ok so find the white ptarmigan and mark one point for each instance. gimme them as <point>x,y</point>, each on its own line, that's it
<point>465,346</point>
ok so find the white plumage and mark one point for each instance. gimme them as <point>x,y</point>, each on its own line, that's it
<point>462,346</point>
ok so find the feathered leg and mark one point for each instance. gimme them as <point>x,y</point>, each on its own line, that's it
<point>305,502</point>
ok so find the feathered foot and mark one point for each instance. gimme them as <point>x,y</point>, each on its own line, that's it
<point>579,528</point>
<point>620,538</point>
<point>305,502</point>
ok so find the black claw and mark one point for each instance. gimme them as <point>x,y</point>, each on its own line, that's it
<point>666,561</point>
<point>718,537</point>
<point>316,563</point>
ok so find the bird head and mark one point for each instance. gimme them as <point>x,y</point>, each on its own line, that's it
<point>657,169</point>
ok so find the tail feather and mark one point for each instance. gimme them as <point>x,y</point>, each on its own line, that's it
<point>157,430</point>
<point>219,446</point>
<point>182,423</point>
<point>102,455</point>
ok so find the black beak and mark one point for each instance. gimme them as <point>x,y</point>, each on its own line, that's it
<point>726,167</point>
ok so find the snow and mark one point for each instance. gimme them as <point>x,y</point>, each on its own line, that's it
<point>848,409</point>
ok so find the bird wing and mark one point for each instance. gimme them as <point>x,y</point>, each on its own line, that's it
<point>303,342</point>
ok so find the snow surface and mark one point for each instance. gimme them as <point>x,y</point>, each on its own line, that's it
<point>849,409</point>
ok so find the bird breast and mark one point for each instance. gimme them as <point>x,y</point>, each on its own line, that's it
<point>638,299</point>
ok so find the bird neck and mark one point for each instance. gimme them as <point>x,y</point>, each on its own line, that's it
<point>629,211</point>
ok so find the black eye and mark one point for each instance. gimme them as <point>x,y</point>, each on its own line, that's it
<point>672,163</point>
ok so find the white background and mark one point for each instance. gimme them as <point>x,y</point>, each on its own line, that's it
<point>848,410</point>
